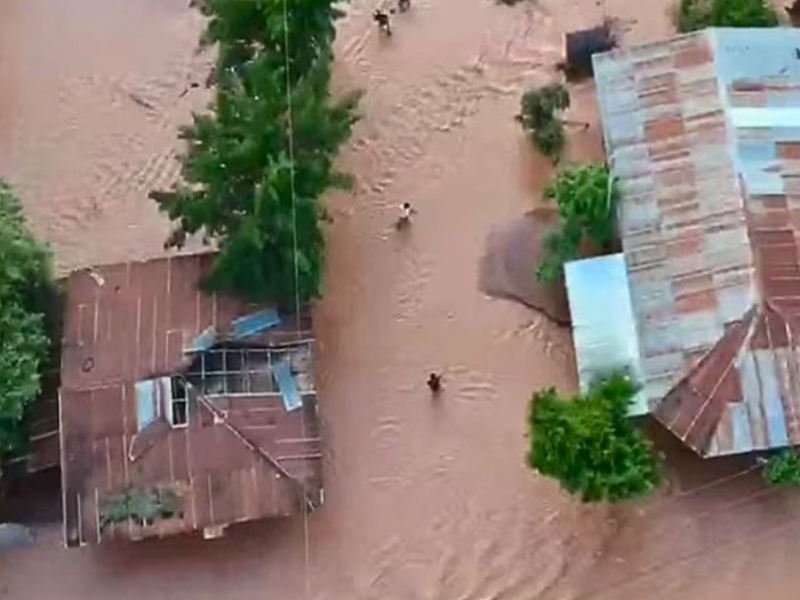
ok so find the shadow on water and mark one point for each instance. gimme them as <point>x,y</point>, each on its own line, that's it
<point>685,470</point>
<point>33,499</point>
<point>251,542</point>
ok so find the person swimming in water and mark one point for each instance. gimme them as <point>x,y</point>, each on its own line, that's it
<point>382,19</point>
<point>435,383</point>
<point>405,215</point>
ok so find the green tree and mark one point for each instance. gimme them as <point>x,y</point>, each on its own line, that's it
<point>540,118</point>
<point>586,196</point>
<point>26,296</point>
<point>248,30</point>
<point>783,469</point>
<point>240,187</point>
<point>589,444</point>
<point>693,15</point>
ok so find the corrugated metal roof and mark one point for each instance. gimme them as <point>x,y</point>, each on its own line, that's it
<point>236,453</point>
<point>596,286</point>
<point>703,133</point>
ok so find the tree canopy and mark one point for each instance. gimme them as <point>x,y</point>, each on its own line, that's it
<point>240,186</point>
<point>692,15</point>
<point>586,197</point>
<point>540,112</point>
<point>26,293</point>
<point>590,445</point>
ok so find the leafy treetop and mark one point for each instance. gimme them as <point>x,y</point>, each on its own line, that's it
<point>26,292</point>
<point>540,118</point>
<point>586,196</point>
<point>783,469</point>
<point>238,187</point>
<point>693,15</point>
<point>589,444</point>
<point>245,30</point>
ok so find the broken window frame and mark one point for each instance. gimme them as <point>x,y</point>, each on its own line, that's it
<point>245,370</point>
<point>248,368</point>
<point>178,400</point>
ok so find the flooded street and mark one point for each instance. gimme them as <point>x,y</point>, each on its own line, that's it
<point>424,500</point>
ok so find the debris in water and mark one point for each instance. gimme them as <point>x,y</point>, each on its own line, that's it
<point>140,101</point>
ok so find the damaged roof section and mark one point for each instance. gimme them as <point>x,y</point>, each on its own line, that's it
<point>702,133</point>
<point>181,411</point>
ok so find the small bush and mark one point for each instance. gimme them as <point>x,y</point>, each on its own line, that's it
<point>783,469</point>
<point>142,506</point>
<point>693,15</point>
<point>560,247</point>
<point>586,197</point>
<point>540,118</point>
<point>589,444</point>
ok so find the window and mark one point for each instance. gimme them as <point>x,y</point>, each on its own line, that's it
<point>232,371</point>
<point>180,413</point>
<point>179,403</point>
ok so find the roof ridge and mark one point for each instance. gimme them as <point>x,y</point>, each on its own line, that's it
<point>221,418</point>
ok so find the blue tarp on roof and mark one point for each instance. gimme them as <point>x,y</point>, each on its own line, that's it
<point>603,326</point>
<point>204,341</point>
<point>282,372</point>
<point>255,323</point>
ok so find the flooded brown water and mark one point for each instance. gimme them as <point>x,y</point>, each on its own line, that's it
<point>424,500</point>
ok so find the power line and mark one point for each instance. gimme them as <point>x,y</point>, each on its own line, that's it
<point>701,488</point>
<point>657,504</point>
<point>704,551</point>
<point>290,137</point>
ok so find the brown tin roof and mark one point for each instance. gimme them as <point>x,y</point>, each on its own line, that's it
<point>240,456</point>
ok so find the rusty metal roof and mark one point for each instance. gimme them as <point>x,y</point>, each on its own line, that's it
<point>234,453</point>
<point>703,134</point>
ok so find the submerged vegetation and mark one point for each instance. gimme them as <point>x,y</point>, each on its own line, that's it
<point>692,15</point>
<point>27,292</point>
<point>540,116</point>
<point>257,165</point>
<point>589,444</point>
<point>586,196</point>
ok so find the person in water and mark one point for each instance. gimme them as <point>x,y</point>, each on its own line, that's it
<point>382,19</point>
<point>405,215</point>
<point>435,383</point>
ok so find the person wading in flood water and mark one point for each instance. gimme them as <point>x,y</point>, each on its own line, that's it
<point>435,383</point>
<point>382,19</point>
<point>405,215</point>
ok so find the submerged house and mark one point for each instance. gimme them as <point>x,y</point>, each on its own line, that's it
<point>702,134</point>
<point>181,411</point>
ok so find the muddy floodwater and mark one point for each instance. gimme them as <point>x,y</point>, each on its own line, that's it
<point>424,500</point>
